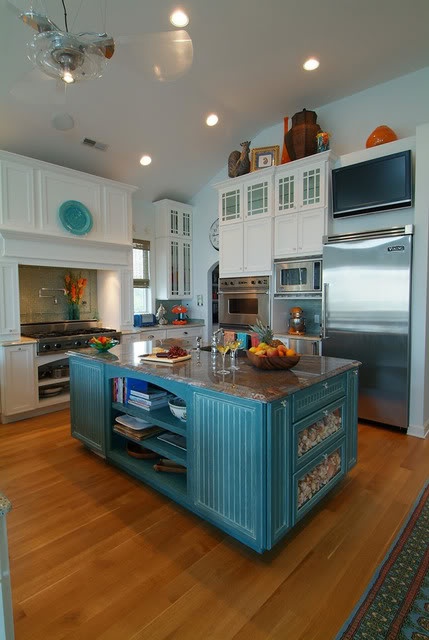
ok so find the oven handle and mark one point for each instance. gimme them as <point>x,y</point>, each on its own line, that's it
<point>252,291</point>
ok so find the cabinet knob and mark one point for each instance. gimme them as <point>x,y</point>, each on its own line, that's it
<point>325,386</point>
<point>284,403</point>
<point>185,333</point>
<point>151,337</point>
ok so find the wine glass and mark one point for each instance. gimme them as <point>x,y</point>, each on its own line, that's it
<point>223,350</point>
<point>234,345</point>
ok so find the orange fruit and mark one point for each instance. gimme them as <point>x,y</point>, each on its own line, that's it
<point>291,352</point>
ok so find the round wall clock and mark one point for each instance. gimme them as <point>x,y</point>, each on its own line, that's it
<point>214,234</point>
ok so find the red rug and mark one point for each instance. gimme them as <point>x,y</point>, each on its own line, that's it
<point>395,604</point>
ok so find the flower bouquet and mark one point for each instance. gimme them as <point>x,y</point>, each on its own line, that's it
<point>74,288</point>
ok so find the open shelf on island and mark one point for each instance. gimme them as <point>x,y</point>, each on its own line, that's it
<point>163,448</point>
<point>173,485</point>
<point>161,417</point>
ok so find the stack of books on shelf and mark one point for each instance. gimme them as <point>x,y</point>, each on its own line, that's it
<point>150,399</point>
<point>135,428</point>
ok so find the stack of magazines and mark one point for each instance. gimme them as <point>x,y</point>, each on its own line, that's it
<point>150,399</point>
<point>135,428</point>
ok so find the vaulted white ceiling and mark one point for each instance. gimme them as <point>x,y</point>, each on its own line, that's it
<point>247,67</point>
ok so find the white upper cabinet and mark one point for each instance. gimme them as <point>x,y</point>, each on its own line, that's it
<point>173,250</point>
<point>173,219</point>
<point>245,224</point>
<point>301,204</point>
<point>300,188</point>
<point>248,196</point>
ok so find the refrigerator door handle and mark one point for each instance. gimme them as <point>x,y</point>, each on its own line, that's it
<point>324,309</point>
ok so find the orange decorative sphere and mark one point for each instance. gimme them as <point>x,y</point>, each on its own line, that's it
<point>381,135</point>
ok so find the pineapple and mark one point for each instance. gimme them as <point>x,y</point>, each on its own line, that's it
<point>265,334</point>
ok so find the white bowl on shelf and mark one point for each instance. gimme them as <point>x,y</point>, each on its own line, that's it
<point>178,408</point>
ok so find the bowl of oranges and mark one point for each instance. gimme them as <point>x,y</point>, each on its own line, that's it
<point>103,343</point>
<point>274,356</point>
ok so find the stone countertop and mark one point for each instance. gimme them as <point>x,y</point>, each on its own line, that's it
<point>248,382</point>
<point>20,340</point>
<point>5,505</point>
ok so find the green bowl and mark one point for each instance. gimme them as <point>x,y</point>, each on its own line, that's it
<point>104,347</point>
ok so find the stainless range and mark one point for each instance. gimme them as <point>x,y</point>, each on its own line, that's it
<point>57,337</point>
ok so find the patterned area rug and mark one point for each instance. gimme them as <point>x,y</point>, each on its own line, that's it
<point>395,605</point>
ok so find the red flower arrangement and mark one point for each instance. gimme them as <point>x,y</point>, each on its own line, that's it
<point>74,288</point>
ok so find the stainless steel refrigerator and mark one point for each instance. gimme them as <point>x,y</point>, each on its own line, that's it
<point>366,316</point>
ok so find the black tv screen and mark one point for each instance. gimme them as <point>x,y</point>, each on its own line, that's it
<point>380,184</point>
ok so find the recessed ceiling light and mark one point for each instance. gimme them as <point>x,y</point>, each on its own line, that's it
<point>311,64</point>
<point>179,18</point>
<point>145,160</point>
<point>212,119</point>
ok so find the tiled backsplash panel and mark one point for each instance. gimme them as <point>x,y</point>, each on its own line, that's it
<point>36,309</point>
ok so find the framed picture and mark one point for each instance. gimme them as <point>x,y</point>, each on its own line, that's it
<point>263,157</point>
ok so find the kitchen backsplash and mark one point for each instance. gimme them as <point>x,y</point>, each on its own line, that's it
<point>44,309</point>
<point>312,309</point>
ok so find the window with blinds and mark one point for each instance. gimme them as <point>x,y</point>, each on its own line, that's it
<point>141,276</point>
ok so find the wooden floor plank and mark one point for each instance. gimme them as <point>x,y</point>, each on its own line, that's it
<point>95,555</point>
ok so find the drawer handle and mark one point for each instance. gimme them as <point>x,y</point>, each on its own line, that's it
<point>355,373</point>
<point>151,337</point>
<point>326,413</point>
<point>185,333</point>
<point>325,386</point>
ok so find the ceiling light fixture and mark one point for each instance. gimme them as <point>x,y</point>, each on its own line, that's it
<point>145,160</point>
<point>311,64</point>
<point>212,119</point>
<point>60,54</point>
<point>179,18</point>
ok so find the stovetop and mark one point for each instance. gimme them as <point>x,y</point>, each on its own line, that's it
<point>63,336</point>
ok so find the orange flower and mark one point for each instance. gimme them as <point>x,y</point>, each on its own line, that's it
<point>74,288</point>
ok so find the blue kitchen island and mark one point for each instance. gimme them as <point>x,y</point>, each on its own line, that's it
<point>262,447</point>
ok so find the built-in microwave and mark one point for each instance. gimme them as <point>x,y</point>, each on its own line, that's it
<point>298,276</point>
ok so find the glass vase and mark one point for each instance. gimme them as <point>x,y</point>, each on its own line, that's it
<point>73,311</point>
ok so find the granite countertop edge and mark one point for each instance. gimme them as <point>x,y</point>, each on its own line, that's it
<point>5,505</point>
<point>248,383</point>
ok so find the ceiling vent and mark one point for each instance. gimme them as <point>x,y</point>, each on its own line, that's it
<point>96,145</point>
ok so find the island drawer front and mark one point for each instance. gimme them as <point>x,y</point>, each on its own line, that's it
<point>317,396</point>
<point>314,433</point>
<point>316,479</point>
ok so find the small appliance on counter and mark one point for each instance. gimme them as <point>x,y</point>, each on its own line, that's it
<point>181,311</point>
<point>297,321</point>
<point>144,320</point>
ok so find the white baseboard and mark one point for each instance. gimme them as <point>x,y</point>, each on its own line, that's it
<point>419,431</point>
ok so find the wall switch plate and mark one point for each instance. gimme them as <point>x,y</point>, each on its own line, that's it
<point>199,300</point>
<point>317,318</point>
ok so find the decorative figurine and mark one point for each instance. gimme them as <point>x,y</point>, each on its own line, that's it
<point>160,315</point>
<point>239,162</point>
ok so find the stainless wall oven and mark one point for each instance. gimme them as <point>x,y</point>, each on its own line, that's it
<point>243,300</point>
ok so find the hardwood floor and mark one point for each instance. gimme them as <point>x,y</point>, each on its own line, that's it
<point>96,555</point>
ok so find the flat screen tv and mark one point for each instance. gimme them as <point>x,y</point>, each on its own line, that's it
<point>380,184</point>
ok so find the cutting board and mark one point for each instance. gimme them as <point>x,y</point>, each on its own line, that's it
<point>153,359</point>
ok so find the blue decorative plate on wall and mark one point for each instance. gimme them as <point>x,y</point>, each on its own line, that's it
<point>75,217</point>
